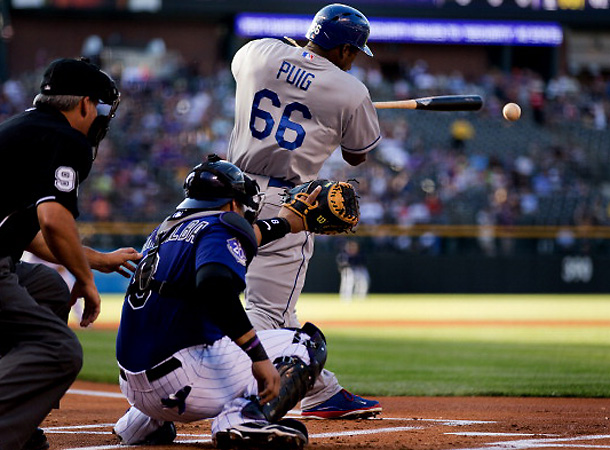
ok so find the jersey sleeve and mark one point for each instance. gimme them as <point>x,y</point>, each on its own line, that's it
<point>362,133</point>
<point>67,166</point>
<point>240,57</point>
<point>220,246</point>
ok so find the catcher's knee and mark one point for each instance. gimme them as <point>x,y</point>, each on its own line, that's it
<point>316,347</point>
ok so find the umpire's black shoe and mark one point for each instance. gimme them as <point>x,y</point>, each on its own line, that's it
<point>38,441</point>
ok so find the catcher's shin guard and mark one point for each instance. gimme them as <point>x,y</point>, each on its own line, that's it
<point>296,377</point>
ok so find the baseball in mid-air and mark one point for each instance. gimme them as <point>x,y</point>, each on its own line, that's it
<point>511,112</point>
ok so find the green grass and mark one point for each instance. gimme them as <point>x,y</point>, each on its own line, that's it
<point>435,356</point>
<point>99,362</point>
<point>467,367</point>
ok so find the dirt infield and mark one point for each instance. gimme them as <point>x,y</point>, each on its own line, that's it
<point>88,411</point>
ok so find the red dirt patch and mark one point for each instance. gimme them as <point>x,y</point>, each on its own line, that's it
<point>417,423</point>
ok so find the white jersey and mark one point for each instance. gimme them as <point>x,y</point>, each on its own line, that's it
<point>293,109</point>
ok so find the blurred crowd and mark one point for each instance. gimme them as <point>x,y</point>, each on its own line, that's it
<point>440,168</point>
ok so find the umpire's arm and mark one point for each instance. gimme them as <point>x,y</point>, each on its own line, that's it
<point>59,231</point>
<point>121,260</point>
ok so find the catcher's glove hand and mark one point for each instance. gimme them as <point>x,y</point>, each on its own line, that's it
<point>335,209</point>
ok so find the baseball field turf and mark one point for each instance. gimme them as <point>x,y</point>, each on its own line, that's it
<point>517,345</point>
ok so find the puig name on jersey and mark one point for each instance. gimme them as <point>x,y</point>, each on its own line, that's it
<point>295,75</point>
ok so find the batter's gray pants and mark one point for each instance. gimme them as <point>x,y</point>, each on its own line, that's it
<point>274,281</point>
<point>41,356</point>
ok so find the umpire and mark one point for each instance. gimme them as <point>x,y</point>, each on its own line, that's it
<point>45,153</point>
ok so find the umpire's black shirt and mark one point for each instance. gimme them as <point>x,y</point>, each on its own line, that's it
<point>42,158</point>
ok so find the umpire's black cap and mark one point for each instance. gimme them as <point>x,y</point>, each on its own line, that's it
<point>68,76</point>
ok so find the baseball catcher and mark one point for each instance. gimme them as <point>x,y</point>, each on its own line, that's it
<point>334,211</point>
<point>186,348</point>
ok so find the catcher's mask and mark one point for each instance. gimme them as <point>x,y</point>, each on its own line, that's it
<point>215,183</point>
<point>69,76</point>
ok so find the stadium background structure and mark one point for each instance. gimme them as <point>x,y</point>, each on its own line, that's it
<point>451,185</point>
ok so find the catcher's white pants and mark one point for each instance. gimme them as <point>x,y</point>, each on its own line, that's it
<point>220,377</point>
<point>274,282</point>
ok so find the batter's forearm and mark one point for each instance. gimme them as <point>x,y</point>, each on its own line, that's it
<point>353,159</point>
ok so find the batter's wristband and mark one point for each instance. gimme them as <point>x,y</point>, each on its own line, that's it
<point>254,349</point>
<point>272,229</point>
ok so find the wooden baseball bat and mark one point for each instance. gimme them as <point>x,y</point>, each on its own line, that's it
<point>438,103</point>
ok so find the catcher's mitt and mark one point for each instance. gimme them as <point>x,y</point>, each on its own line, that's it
<point>335,210</point>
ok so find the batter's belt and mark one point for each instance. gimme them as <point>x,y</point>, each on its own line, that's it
<point>280,183</point>
<point>265,181</point>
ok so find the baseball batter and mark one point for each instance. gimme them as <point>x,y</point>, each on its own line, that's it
<point>294,107</point>
<point>186,348</point>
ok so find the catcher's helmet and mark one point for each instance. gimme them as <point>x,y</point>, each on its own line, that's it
<point>339,24</point>
<point>215,183</point>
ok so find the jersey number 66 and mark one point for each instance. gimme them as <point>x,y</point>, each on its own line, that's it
<point>285,122</point>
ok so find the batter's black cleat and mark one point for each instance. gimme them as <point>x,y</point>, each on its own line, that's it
<point>287,434</point>
<point>38,441</point>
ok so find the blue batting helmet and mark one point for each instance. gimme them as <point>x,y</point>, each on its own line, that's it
<point>339,24</point>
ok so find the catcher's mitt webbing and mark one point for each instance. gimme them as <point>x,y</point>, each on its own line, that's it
<point>335,209</point>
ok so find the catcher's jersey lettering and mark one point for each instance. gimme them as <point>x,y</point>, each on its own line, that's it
<point>139,299</point>
<point>289,134</point>
<point>295,75</point>
<point>189,232</point>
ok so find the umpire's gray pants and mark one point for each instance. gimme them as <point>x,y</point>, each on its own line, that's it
<point>41,356</point>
